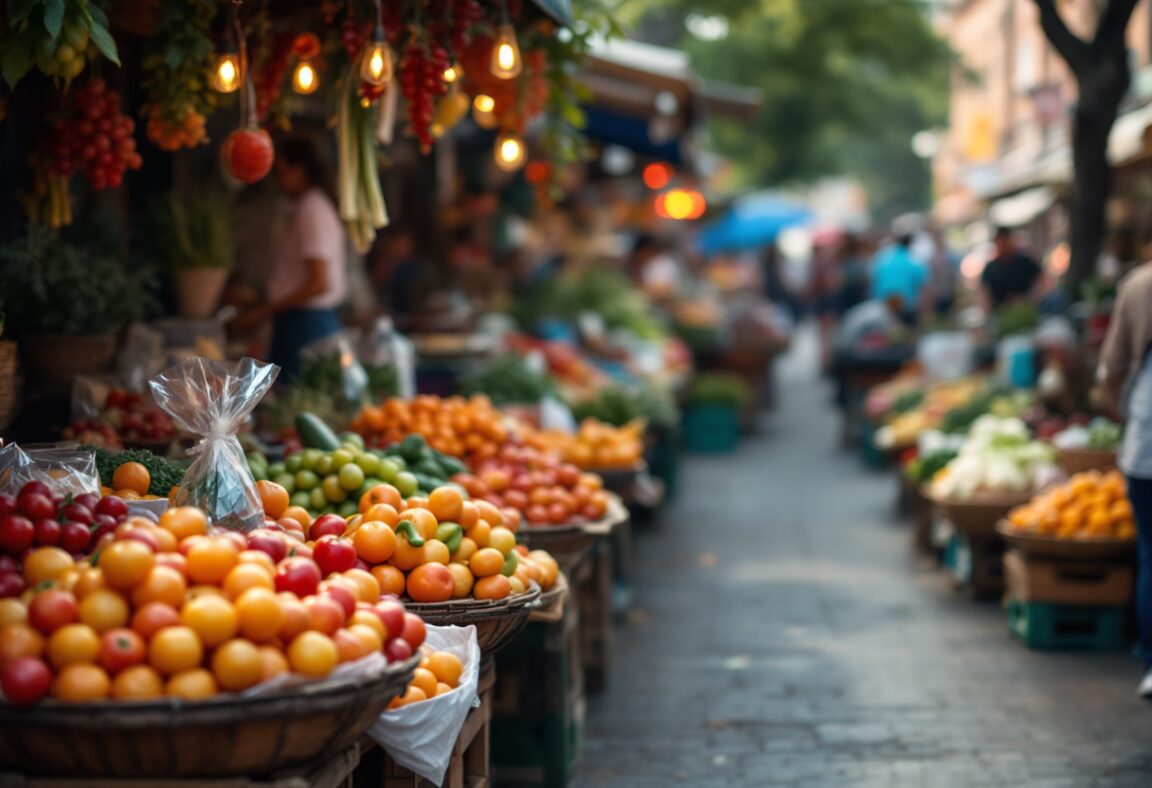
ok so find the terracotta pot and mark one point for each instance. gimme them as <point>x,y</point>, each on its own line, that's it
<point>53,361</point>
<point>198,291</point>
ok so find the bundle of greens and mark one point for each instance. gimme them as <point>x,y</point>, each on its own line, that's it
<point>508,380</point>
<point>165,473</point>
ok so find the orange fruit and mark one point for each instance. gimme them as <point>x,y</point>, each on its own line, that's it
<point>411,695</point>
<point>375,542</point>
<point>272,662</point>
<point>211,559</point>
<point>212,618</point>
<point>153,617</point>
<point>381,493</point>
<point>88,579</point>
<point>502,539</point>
<point>406,556</point>
<point>430,583</point>
<point>259,558</point>
<point>103,610</point>
<point>368,586</point>
<point>260,614</point>
<point>443,689</point>
<point>382,513</point>
<point>237,665</point>
<point>299,514</point>
<point>371,639</point>
<point>485,562</point>
<point>126,563</point>
<point>436,552</point>
<point>175,649</point>
<point>391,579</point>
<point>132,476</point>
<point>12,611</point>
<point>273,498</point>
<point>72,644</point>
<point>244,576</point>
<point>424,680</point>
<point>367,618</point>
<point>47,563</point>
<point>349,647</point>
<point>184,521</point>
<point>465,551</point>
<point>425,522</point>
<point>139,682</point>
<point>192,684</point>
<point>446,503</point>
<point>163,584</point>
<point>492,587</point>
<point>81,683</point>
<point>446,666</point>
<point>20,640</point>
<point>479,533</point>
<point>462,579</point>
<point>313,654</point>
<point>295,616</point>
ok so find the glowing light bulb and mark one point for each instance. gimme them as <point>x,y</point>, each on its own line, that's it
<point>452,73</point>
<point>509,152</point>
<point>506,62</point>
<point>226,74</point>
<point>376,64</point>
<point>483,103</point>
<point>304,78</point>
<point>482,107</point>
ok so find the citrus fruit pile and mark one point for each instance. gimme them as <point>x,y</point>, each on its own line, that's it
<point>429,549</point>
<point>178,609</point>
<point>599,445</point>
<point>471,429</point>
<point>131,481</point>
<point>439,673</point>
<point>1090,505</point>
<point>536,483</point>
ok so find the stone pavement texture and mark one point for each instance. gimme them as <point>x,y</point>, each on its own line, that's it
<point>784,634</point>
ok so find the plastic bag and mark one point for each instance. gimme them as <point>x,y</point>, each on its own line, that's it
<point>333,357</point>
<point>212,399</point>
<point>385,345</point>
<point>66,471</point>
<point>142,356</point>
<point>421,736</point>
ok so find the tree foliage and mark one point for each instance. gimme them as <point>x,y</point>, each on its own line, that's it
<point>846,83</point>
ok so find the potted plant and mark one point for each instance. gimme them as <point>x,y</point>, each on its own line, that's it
<point>712,412</point>
<point>198,234</point>
<point>65,305</point>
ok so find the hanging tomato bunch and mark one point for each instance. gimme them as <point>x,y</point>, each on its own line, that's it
<point>421,78</point>
<point>177,59</point>
<point>94,137</point>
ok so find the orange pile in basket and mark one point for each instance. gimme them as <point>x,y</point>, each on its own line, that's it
<point>1090,505</point>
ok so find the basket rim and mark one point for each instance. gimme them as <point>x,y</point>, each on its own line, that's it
<point>1008,531</point>
<point>103,711</point>
<point>615,514</point>
<point>999,500</point>
<point>480,608</point>
<point>1086,451</point>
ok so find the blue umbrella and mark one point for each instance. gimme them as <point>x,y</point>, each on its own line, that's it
<point>754,220</point>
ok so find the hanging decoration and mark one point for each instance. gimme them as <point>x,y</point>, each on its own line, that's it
<point>55,37</point>
<point>247,154</point>
<point>177,63</point>
<point>305,78</point>
<point>510,152</point>
<point>506,62</point>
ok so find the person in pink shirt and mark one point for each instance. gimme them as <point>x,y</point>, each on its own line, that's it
<point>308,279</point>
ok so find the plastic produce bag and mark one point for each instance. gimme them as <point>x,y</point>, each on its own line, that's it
<point>385,345</point>
<point>421,736</point>
<point>66,471</point>
<point>212,399</point>
<point>336,352</point>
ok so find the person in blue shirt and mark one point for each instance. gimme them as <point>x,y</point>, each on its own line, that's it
<point>896,273</point>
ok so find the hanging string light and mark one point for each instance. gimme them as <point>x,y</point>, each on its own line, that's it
<point>453,73</point>
<point>228,70</point>
<point>482,111</point>
<point>509,152</point>
<point>506,62</point>
<point>376,62</point>
<point>304,78</point>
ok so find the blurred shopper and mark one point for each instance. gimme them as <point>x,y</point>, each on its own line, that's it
<point>653,268</point>
<point>1126,365</point>
<point>307,282</point>
<point>852,261</point>
<point>944,275</point>
<point>398,276</point>
<point>896,273</point>
<point>775,286</point>
<point>1010,275</point>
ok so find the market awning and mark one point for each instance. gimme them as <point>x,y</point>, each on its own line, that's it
<point>1019,209</point>
<point>604,125</point>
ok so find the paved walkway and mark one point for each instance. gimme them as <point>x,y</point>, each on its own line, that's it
<point>785,635</point>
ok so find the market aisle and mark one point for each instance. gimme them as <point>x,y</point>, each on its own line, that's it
<point>785,635</point>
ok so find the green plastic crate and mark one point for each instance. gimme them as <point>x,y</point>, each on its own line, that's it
<point>1048,627</point>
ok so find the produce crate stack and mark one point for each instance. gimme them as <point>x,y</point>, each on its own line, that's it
<point>1068,603</point>
<point>592,581</point>
<point>976,564</point>
<point>538,717</point>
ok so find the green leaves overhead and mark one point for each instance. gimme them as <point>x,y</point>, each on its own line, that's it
<point>56,36</point>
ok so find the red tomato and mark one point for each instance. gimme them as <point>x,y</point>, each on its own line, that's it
<point>300,576</point>
<point>333,554</point>
<point>414,631</point>
<point>49,610</point>
<point>392,615</point>
<point>25,680</point>
<point>121,648</point>
<point>248,154</point>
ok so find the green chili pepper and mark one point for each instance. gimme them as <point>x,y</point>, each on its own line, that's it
<point>407,529</point>
<point>510,564</point>
<point>451,534</point>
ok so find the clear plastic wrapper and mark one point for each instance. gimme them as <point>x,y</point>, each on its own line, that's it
<point>338,351</point>
<point>66,471</point>
<point>385,345</point>
<point>421,736</point>
<point>213,399</point>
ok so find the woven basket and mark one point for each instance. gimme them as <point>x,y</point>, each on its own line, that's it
<point>568,543</point>
<point>497,621</point>
<point>8,389</point>
<point>619,480</point>
<point>551,607</point>
<point>211,738</point>
<point>978,517</point>
<point>1074,461</point>
<point>1035,546</point>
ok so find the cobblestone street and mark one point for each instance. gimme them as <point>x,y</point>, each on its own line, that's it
<point>784,633</point>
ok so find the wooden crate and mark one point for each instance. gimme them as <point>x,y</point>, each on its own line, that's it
<point>469,767</point>
<point>591,583</point>
<point>538,713</point>
<point>1048,627</point>
<point>334,772</point>
<point>977,565</point>
<point>1068,582</point>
